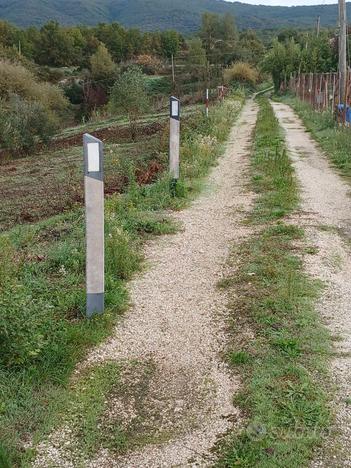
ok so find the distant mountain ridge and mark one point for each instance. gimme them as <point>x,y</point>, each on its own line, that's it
<point>183,15</point>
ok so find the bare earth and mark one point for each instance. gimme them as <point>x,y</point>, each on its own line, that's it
<point>176,325</point>
<point>326,216</point>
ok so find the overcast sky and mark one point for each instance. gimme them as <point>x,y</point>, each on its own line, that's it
<point>288,2</point>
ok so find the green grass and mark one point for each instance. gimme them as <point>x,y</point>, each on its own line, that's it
<point>333,139</point>
<point>273,175</point>
<point>283,367</point>
<point>43,330</point>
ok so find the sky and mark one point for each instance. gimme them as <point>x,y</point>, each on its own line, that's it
<point>288,2</point>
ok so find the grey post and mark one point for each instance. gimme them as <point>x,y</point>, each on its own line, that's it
<point>94,218</point>
<point>174,139</point>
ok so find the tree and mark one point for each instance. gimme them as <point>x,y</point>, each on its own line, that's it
<point>281,61</point>
<point>101,64</point>
<point>196,59</point>
<point>219,37</point>
<point>113,36</point>
<point>170,43</point>
<point>129,96</point>
<point>210,31</point>
<point>317,54</point>
<point>54,47</point>
<point>251,49</point>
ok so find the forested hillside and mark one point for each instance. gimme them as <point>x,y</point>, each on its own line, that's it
<point>182,15</point>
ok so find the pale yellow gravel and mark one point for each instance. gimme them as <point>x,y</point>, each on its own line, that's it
<point>177,321</point>
<point>326,217</point>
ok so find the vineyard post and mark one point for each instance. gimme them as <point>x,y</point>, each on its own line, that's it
<point>94,218</point>
<point>174,142</point>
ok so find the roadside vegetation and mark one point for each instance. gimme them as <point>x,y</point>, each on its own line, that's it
<point>43,332</point>
<point>281,348</point>
<point>54,77</point>
<point>334,139</point>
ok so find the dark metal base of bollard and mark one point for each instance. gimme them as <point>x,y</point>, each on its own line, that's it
<point>95,304</point>
<point>173,187</point>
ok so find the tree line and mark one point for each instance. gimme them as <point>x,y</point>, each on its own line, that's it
<point>59,46</point>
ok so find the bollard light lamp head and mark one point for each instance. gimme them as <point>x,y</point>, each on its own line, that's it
<point>174,108</point>
<point>93,156</point>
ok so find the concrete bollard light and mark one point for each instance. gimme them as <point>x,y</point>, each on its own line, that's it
<point>94,217</point>
<point>174,141</point>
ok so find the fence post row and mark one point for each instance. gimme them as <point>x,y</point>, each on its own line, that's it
<point>321,90</point>
<point>94,218</point>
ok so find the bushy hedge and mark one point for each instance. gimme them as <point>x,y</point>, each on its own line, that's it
<point>241,72</point>
<point>31,111</point>
<point>25,123</point>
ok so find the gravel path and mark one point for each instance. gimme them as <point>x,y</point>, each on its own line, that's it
<point>326,216</point>
<point>177,324</point>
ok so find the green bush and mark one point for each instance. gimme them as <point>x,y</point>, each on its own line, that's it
<point>122,258</point>
<point>241,72</point>
<point>16,79</point>
<point>24,123</point>
<point>23,320</point>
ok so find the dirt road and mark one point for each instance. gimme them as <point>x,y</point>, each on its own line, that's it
<point>176,327</point>
<point>326,217</point>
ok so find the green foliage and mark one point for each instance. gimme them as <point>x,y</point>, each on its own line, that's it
<point>274,177</point>
<point>54,47</point>
<point>239,358</point>
<point>15,79</point>
<point>123,257</point>
<point>242,73</point>
<point>129,96</point>
<point>294,52</point>
<point>23,124</point>
<point>281,61</point>
<point>318,53</point>
<point>170,43</point>
<point>7,262</point>
<point>196,60</point>
<point>158,15</point>
<point>250,47</point>
<point>102,65</point>
<point>219,36</point>
<point>42,323</point>
<point>283,367</point>
<point>24,322</point>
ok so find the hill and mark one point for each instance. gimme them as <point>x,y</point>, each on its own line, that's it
<point>183,15</point>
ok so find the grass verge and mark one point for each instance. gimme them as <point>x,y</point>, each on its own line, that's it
<point>333,139</point>
<point>43,332</point>
<point>279,347</point>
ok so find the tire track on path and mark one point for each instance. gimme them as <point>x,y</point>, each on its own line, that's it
<point>326,218</point>
<point>177,323</point>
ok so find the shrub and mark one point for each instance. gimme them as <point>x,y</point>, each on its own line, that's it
<point>24,123</point>
<point>16,79</point>
<point>241,72</point>
<point>74,92</point>
<point>122,257</point>
<point>22,323</point>
<point>129,96</point>
<point>150,64</point>
<point>102,65</point>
